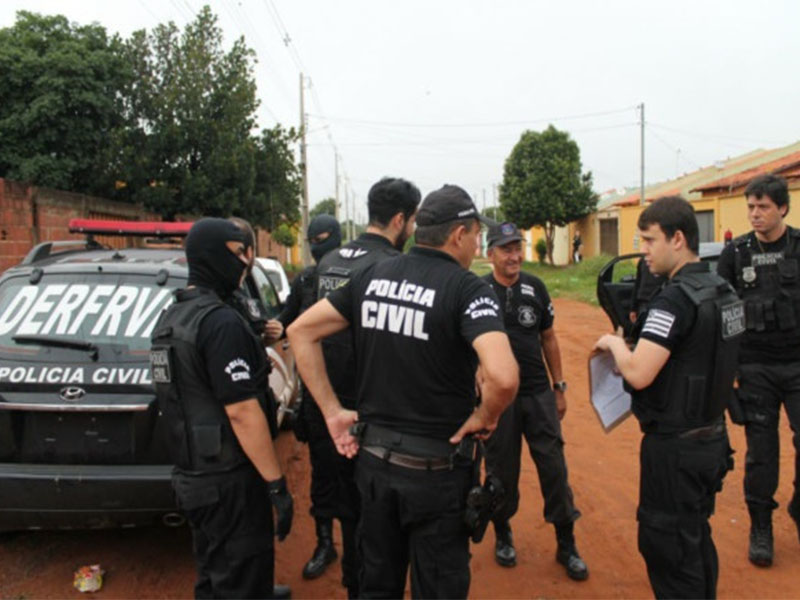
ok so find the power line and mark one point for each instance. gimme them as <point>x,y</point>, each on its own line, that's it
<point>714,136</point>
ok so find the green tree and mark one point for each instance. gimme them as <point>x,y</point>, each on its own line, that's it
<point>324,207</point>
<point>60,85</point>
<point>543,183</point>
<point>284,235</point>
<point>494,212</point>
<point>190,109</point>
<point>278,184</point>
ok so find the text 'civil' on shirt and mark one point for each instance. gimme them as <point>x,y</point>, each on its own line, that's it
<point>414,318</point>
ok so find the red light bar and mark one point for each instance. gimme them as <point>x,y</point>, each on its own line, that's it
<point>136,228</point>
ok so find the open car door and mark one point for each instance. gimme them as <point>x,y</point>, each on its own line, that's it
<point>615,288</point>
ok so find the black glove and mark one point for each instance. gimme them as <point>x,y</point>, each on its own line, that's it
<point>284,507</point>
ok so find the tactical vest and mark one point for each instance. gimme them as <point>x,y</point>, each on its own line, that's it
<point>308,288</point>
<point>201,438</point>
<point>693,387</point>
<point>335,270</point>
<point>770,289</point>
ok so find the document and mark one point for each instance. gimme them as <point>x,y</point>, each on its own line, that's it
<point>609,399</point>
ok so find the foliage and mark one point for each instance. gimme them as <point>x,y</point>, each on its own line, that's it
<point>541,249</point>
<point>284,235</point>
<point>324,207</point>
<point>278,184</point>
<point>60,85</point>
<point>543,184</point>
<point>494,212</point>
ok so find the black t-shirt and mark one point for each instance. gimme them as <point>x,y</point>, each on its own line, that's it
<point>669,317</point>
<point>527,311</point>
<point>302,294</point>
<point>765,254</point>
<point>232,355</point>
<point>414,319</point>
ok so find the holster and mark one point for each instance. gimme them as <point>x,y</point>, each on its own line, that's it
<point>482,500</point>
<point>735,409</point>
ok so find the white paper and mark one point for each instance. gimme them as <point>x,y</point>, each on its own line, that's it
<point>610,400</point>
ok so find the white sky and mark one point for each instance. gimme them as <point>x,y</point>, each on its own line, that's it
<point>439,91</point>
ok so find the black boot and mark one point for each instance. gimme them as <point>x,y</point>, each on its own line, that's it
<point>281,592</point>
<point>760,551</point>
<point>794,512</point>
<point>567,552</point>
<point>324,553</point>
<point>504,552</point>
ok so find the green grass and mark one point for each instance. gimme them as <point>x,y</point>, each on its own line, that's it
<point>577,282</point>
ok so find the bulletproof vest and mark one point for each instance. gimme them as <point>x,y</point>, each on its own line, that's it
<point>335,270</point>
<point>201,438</point>
<point>693,387</point>
<point>770,288</point>
<point>308,287</point>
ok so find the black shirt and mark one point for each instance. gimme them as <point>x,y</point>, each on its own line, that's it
<point>527,311</point>
<point>232,355</point>
<point>302,294</point>
<point>753,348</point>
<point>414,318</point>
<point>670,314</point>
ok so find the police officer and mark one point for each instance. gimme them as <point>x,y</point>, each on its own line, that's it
<point>391,209</point>
<point>421,323</point>
<point>324,235</point>
<point>680,373</point>
<point>209,370</point>
<point>537,409</point>
<point>764,267</point>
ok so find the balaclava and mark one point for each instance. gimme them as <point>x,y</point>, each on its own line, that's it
<point>321,224</point>
<point>211,264</point>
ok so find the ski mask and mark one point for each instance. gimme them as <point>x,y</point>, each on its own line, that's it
<point>322,224</point>
<point>211,264</point>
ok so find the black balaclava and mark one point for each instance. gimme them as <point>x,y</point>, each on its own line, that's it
<point>211,264</point>
<point>321,224</point>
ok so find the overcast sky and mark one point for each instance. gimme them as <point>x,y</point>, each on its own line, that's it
<point>439,91</point>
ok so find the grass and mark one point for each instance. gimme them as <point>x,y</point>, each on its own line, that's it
<point>577,282</point>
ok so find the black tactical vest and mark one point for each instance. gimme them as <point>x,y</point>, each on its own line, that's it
<point>333,271</point>
<point>693,387</point>
<point>201,438</point>
<point>308,287</point>
<point>771,290</point>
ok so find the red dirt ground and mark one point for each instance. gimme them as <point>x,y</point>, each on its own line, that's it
<point>157,563</point>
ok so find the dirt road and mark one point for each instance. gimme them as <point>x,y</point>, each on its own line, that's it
<point>156,563</point>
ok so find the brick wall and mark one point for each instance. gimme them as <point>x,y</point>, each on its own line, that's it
<point>30,215</point>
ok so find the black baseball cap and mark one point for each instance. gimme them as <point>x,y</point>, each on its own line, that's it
<point>500,234</point>
<point>448,203</point>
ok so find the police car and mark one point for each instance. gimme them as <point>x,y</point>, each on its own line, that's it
<point>81,440</point>
<point>615,284</point>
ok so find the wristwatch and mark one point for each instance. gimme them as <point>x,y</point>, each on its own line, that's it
<point>561,386</point>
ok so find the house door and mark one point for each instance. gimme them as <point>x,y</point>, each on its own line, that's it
<point>609,237</point>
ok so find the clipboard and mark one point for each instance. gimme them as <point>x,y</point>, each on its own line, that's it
<point>610,401</point>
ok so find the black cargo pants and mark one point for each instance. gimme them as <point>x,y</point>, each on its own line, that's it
<point>416,517</point>
<point>678,484</point>
<point>535,417</point>
<point>230,515</point>
<point>762,390</point>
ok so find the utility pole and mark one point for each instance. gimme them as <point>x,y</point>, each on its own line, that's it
<point>353,212</point>
<point>641,183</point>
<point>483,209</point>
<point>306,254</point>
<point>346,210</point>
<point>336,173</point>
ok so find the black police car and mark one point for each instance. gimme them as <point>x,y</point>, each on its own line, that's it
<point>81,440</point>
<point>615,284</point>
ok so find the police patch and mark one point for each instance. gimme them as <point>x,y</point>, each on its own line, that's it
<point>160,367</point>
<point>527,316</point>
<point>733,319</point>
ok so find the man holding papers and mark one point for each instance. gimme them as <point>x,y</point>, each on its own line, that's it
<point>680,374</point>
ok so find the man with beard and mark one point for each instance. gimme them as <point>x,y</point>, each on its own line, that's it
<point>212,395</point>
<point>391,207</point>
<point>324,235</point>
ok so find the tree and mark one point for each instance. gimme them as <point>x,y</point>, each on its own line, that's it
<point>543,183</point>
<point>284,235</point>
<point>494,212</point>
<point>60,85</point>
<point>190,109</point>
<point>278,183</point>
<point>324,207</point>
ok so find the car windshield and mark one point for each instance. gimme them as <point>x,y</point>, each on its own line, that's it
<point>86,309</point>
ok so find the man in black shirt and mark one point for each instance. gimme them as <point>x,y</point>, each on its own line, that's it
<point>421,324</point>
<point>391,208</point>
<point>324,235</point>
<point>764,267</point>
<point>680,375</point>
<point>537,409</point>
<point>209,371</point>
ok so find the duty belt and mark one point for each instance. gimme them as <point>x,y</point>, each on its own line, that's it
<point>411,451</point>
<point>703,433</point>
